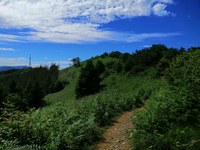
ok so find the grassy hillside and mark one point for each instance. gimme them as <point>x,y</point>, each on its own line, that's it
<point>129,80</point>
<point>70,75</point>
<point>66,123</point>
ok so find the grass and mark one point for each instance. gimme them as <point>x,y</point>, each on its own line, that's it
<point>70,124</point>
<point>66,95</point>
<point>70,75</point>
<point>66,123</point>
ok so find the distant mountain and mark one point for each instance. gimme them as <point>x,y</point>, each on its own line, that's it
<point>5,68</point>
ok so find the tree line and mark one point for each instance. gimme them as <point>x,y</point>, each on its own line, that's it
<point>26,88</point>
<point>157,56</point>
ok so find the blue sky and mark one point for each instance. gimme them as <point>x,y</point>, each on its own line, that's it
<point>55,31</point>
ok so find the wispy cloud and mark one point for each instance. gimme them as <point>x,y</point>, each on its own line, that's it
<point>13,61</point>
<point>159,9</point>
<point>61,63</point>
<point>73,21</point>
<point>140,37</point>
<point>146,46</point>
<point>21,61</point>
<point>10,37</point>
<point>6,49</point>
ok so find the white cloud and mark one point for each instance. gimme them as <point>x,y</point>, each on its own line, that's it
<point>10,38</point>
<point>13,61</point>
<point>62,63</point>
<point>146,46</point>
<point>71,21</point>
<point>21,61</point>
<point>166,1</point>
<point>159,10</point>
<point>6,49</point>
<point>140,37</point>
<point>127,37</point>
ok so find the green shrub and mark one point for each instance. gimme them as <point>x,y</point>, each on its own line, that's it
<point>171,118</point>
<point>78,124</point>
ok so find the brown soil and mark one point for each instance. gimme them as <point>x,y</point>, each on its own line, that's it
<point>117,137</point>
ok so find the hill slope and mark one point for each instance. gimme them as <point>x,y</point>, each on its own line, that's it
<point>129,80</point>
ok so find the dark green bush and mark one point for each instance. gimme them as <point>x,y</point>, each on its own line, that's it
<point>172,115</point>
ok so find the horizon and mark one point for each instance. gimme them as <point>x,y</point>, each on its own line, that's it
<point>55,31</point>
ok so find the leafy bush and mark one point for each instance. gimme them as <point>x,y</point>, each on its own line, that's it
<point>74,126</point>
<point>183,77</point>
<point>172,115</point>
<point>141,96</point>
<point>52,129</point>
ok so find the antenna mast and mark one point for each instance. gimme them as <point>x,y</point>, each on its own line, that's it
<point>30,60</point>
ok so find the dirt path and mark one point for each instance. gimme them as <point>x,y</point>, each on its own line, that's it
<point>117,137</point>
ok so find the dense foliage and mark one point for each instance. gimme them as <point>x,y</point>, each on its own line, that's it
<point>26,88</point>
<point>167,78</point>
<point>89,79</point>
<point>171,119</point>
<point>142,60</point>
<point>74,126</point>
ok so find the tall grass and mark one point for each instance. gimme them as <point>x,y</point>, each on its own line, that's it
<point>78,124</point>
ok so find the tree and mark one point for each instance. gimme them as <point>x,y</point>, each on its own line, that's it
<point>119,67</point>
<point>53,77</point>
<point>76,61</point>
<point>100,67</point>
<point>128,65</point>
<point>2,95</point>
<point>182,50</point>
<point>161,66</point>
<point>104,55</point>
<point>13,87</point>
<point>36,96</point>
<point>88,82</point>
<point>115,54</point>
<point>53,72</point>
<point>125,56</point>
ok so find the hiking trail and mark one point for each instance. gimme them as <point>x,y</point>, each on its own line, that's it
<point>118,136</point>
